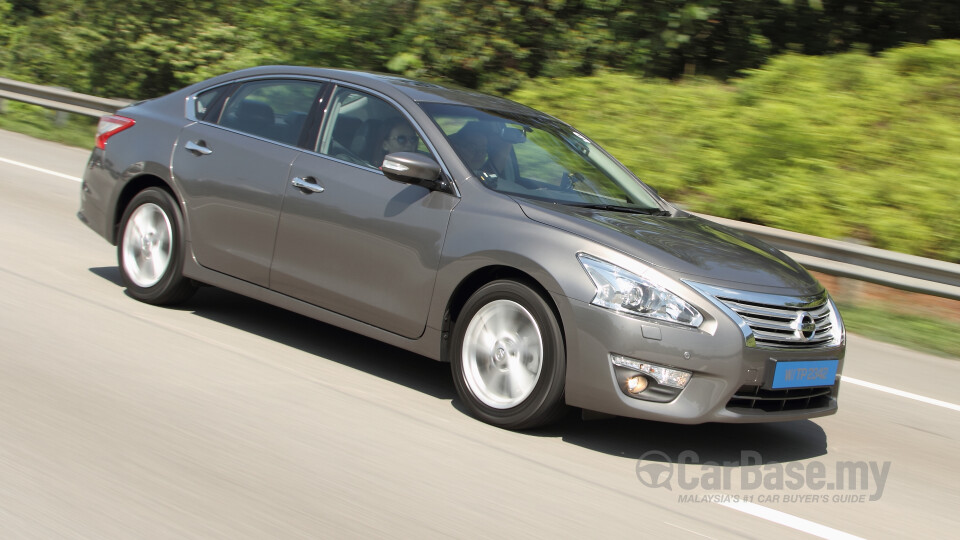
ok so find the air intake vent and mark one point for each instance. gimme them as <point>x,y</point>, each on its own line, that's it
<point>755,397</point>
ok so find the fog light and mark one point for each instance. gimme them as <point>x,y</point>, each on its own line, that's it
<point>636,384</point>
<point>675,378</point>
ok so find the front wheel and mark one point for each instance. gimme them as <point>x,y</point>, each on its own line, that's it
<point>508,357</point>
<point>150,251</point>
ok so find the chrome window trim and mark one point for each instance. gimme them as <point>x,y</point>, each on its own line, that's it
<point>190,113</point>
<point>190,110</point>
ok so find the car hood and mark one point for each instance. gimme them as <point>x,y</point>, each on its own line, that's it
<point>696,248</point>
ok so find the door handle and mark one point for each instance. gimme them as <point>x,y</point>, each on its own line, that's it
<point>198,148</point>
<point>308,184</point>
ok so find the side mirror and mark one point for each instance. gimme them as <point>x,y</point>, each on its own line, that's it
<point>413,168</point>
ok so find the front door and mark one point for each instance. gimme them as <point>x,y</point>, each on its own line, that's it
<point>352,241</point>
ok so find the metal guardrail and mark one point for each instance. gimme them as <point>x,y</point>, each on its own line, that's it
<point>58,99</point>
<point>864,263</point>
<point>833,257</point>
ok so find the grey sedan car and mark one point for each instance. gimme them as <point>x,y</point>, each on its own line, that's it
<point>469,229</point>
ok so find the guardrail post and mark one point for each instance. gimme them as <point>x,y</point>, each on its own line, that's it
<point>60,118</point>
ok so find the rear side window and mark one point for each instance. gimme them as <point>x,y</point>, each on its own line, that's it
<point>207,101</point>
<point>273,110</point>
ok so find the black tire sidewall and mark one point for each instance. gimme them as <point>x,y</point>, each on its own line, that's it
<point>172,285</point>
<point>545,403</point>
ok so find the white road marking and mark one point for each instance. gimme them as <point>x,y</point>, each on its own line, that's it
<point>775,516</point>
<point>788,520</point>
<point>901,393</point>
<point>39,169</point>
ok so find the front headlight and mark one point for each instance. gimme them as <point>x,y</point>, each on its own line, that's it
<point>645,295</point>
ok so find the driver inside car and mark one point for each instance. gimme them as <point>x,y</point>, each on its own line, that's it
<point>400,137</point>
<point>471,145</point>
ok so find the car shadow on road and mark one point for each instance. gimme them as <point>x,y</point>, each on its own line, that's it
<point>323,340</point>
<point>723,444</point>
<point>313,337</point>
<point>109,273</point>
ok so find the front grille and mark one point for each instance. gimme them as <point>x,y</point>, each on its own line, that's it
<point>793,399</point>
<point>778,326</point>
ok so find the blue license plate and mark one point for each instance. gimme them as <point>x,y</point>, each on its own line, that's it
<point>805,374</point>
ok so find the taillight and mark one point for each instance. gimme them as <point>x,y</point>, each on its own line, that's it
<point>110,126</point>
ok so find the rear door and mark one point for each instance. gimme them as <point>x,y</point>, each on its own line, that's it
<point>349,239</point>
<point>233,170</point>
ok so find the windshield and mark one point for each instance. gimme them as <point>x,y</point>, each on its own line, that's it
<point>538,157</point>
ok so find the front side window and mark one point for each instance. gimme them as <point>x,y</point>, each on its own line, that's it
<point>537,157</point>
<point>274,110</point>
<point>362,129</point>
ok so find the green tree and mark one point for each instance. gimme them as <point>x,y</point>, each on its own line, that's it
<point>149,48</point>
<point>497,45</point>
<point>332,33</point>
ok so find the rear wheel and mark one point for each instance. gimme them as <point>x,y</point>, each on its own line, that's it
<point>508,358</point>
<point>150,251</point>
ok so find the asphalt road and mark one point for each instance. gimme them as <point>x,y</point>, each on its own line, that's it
<point>228,418</point>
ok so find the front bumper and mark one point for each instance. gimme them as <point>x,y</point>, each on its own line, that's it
<point>726,372</point>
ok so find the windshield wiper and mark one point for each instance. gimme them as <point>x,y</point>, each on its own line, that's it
<point>619,208</point>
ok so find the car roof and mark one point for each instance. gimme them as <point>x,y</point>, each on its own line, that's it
<point>391,85</point>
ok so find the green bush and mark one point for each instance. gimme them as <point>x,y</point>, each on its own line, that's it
<point>850,146</point>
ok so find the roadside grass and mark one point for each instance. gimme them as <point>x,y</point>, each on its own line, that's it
<point>848,146</point>
<point>917,332</point>
<point>42,123</point>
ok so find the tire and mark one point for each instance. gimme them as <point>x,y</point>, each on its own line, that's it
<point>150,249</point>
<point>508,357</point>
